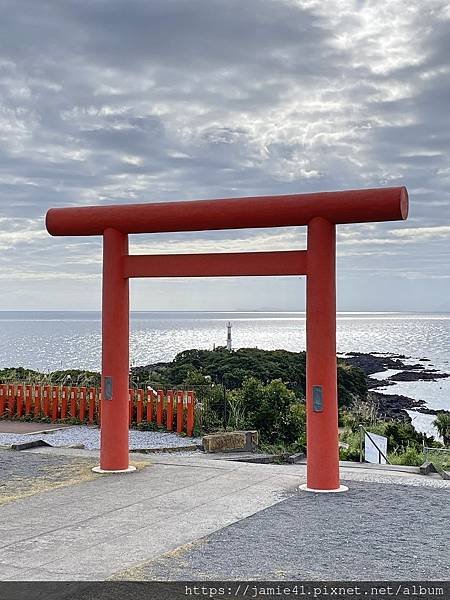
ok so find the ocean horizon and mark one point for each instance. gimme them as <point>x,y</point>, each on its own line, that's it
<point>56,340</point>
<point>52,339</point>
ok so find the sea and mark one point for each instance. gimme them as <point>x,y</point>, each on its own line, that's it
<point>51,340</point>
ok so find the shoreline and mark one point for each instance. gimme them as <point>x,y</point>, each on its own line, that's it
<point>394,405</point>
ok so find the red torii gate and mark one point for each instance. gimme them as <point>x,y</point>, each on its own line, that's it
<point>321,212</point>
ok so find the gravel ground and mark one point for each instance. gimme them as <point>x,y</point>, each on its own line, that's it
<point>90,437</point>
<point>24,474</point>
<point>389,477</point>
<point>374,531</point>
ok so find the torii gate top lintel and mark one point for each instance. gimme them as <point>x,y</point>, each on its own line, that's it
<point>321,212</point>
<point>352,206</point>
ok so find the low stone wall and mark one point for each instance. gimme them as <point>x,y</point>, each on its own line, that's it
<point>231,441</point>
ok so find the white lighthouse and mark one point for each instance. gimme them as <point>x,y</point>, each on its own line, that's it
<point>229,347</point>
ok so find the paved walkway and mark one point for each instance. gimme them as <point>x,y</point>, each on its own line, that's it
<point>374,532</point>
<point>91,530</point>
<point>188,516</point>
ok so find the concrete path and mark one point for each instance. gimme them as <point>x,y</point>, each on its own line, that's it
<point>91,530</point>
<point>107,526</point>
<point>373,532</point>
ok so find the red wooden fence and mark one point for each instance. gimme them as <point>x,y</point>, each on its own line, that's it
<point>170,410</point>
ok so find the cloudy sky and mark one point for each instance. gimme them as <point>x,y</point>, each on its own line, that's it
<point>116,101</point>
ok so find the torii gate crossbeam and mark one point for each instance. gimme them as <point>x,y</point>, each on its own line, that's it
<point>320,212</point>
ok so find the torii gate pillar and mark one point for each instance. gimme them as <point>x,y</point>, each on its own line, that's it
<point>115,355</point>
<point>321,369</point>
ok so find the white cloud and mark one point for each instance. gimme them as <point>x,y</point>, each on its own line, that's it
<point>424,233</point>
<point>175,100</point>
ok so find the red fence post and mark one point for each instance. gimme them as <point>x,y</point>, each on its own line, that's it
<point>82,412</point>
<point>169,425</point>
<point>19,400</point>
<point>149,406</point>
<point>46,401</point>
<point>91,405</point>
<point>64,399</point>
<point>3,394</point>
<point>139,406</point>
<point>190,413</point>
<point>180,396</point>
<point>11,400</point>
<point>73,402</point>
<point>55,402</point>
<point>99,407</point>
<point>130,405</point>
<point>159,407</point>
<point>28,395</point>
<point>37,400</point>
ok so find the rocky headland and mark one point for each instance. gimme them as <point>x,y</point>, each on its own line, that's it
<point>394,406</point>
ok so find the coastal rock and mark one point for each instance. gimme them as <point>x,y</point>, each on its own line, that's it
<point>394,406</point>
<point>373,384</point>
<point>429,375</point>
<point>375,363</point>
<point>432,411</point>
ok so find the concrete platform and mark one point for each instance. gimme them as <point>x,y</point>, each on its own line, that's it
<point>246,516</point>
<point>372,532</point>
<point>92,529</point>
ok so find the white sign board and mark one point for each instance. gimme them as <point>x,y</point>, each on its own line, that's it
<point>372,447</point>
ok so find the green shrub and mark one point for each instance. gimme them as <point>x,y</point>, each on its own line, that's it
<point>231,369</point>
<point>273,409</point>
<point>442,424</point>
<point>410,457</point>
<point>352,452</point>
